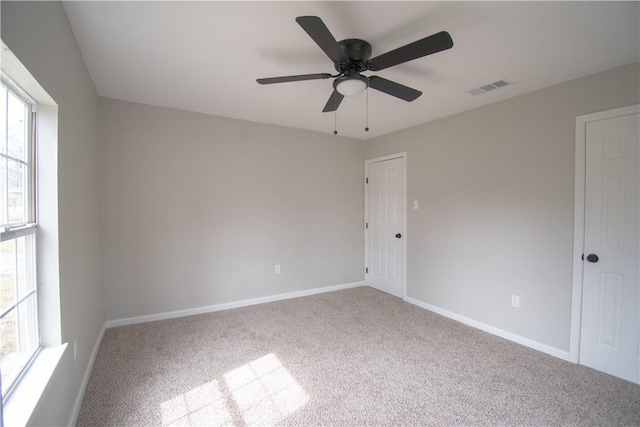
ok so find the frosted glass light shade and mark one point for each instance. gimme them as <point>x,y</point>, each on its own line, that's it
<point>351,87</point>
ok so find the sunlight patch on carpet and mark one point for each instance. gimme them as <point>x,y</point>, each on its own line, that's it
<point>264,391</point>
<point>203,405</point>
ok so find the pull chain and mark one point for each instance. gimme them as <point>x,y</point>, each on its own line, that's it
<point>366,126</point>
<point>335,115</point>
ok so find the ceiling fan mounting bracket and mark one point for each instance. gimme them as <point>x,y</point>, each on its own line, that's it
<point>358,51</point>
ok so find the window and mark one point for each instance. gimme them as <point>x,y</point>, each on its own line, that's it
<point>19,326</point>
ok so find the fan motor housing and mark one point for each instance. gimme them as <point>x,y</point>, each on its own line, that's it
<point>358,51</point>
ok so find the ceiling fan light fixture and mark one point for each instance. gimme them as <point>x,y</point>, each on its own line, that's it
<point>351,85</point>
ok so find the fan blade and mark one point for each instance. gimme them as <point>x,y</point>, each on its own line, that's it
<point>334,102</point>
<point>426,46</point>
<point>322,36</point>
<point>393,88</point>
<point>286,79</point>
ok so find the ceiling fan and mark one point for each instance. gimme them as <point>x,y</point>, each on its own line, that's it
<point>351,57</point>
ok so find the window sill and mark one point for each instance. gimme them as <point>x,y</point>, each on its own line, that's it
<point>26,396</point>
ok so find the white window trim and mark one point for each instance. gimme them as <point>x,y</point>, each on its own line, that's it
<point>28,227</point>
<point>19,408</point>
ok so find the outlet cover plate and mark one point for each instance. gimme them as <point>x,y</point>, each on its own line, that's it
<point>515,301</point>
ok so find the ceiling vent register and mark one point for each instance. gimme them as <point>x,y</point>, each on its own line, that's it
<point>492,86</point>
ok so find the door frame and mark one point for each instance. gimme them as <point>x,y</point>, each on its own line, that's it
<point>403,156</point>
<point>578,219</point>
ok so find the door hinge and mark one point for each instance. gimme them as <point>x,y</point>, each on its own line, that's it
<point>366,270</point>
<point>366,180</point>
<point>366,225</point>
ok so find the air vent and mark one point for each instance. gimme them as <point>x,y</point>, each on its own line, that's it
<point>490,87</point>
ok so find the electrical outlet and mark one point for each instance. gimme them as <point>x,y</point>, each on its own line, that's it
<point>75,348</point>
<point>277,268</point>
<point>416,205</point>
<point>515,301</point>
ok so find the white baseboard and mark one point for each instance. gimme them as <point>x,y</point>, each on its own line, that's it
<point>85,379</point>
<point>561,354</point>
<point>228,306</point>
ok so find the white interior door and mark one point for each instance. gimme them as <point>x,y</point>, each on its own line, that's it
<point>385,226</point>
<point>609,339</point>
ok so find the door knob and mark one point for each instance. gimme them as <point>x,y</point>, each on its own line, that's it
<point>592,258</point>
<point>398,236</point>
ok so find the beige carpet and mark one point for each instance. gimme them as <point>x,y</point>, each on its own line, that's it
<point>353,357</point>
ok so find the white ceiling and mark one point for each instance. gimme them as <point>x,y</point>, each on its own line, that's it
<point>206,56</point>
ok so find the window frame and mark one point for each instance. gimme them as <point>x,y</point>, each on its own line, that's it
<point>27,227</point>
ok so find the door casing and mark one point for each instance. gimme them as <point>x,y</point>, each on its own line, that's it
<point>578,220</point>
<point>403,156</point>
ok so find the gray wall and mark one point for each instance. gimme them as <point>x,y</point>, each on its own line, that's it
<point>197,210</point>
<point>495,187</point>
<point>40,36</point>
